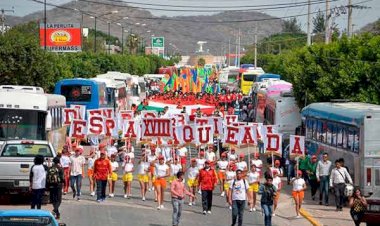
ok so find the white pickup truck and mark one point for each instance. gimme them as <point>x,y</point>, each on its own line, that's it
<point>16,159</point>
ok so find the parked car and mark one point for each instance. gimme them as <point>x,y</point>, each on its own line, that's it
<point>372,215</point>
<point>28,218</point>
<point>16,160</point>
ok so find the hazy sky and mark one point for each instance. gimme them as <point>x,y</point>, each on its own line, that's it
<point>360,16</point>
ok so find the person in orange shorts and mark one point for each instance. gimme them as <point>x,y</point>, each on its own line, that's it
<point>162,172</point>
<point>299,186</point>
<point>152,158</point>
<point>222,166</point>
<point>278,185</point>
<point>90,172</point>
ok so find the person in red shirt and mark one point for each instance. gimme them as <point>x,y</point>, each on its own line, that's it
<point>102,170</point>
<point>207,181</point>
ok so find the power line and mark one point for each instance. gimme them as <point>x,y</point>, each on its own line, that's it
<point>271,7</point>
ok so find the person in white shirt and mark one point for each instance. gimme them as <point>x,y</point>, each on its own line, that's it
<point>339,177</point>
<point>37,178</point>
<point>162,172</point>
<point>192,180</point>
<point>182,153</point>
<point>242,164</point>
<point>174,169</point>
<point>222,166</point>
<point>210,156</point>
<point>232,156</point>
<point>111,150</point>
<point>299,186</point>
<point>65,163</point>
<point>237,197</point>
<point>277,183</point>
<point>90,172</point>
<point>77,172</point>
<point>113,177</point>
<point>167,152</point>
<point>257,162</point>
<point>142,174</point>
<point>254,182</point>
<point>152,158</point>
<point>201,160</point>
<point>277,168</point>
<point>230,176</point>
<point>128,176</point>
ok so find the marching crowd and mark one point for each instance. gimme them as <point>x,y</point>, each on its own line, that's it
<point>160,169</point>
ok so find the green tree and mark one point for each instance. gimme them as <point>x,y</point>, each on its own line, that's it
<point>319,23</point>
<point>291,26</point>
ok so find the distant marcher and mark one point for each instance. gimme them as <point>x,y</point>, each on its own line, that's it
<point>90,172</point>
<point>178,192</point>
<point>55,180</point>
<point>192,181</point>
<point>127,177</point>
<point>277,183</point>
<point>358,205</point>
<point>207,182</point>
<point>77,172</point>
<point>37,178</point>
<point>254,182</point>
<point>311,171</point>
<point>323,175</point>
<point>162,172</point>
<point>238,196</point>
<point>65,163</point>
<point>298,192</point>
<point>102,170</point>
<point>113,177</point>
<point>339,176</point>
<point>268,193</point>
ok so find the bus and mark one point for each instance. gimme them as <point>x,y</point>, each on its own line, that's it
<point>348,130</point>
<point>32,116</point>
<point>116,93</point>
<point>247,79</point>
<point>282,110</point>
<point>115,75</point>
<point>29,89</point>
<point>87,92</point>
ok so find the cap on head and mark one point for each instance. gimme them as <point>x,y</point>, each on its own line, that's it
<point>232,149</point>
<point>241,155</point>
<point>224,155</point>
<point>193,160</point>
<point>161,157</point>
<point>299,172</point>
<point>277,162</point>
<point>313,157</point>
<point>201,153</point>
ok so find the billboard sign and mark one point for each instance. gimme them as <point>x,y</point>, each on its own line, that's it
<point>158,42</point>
<point>61,37</point>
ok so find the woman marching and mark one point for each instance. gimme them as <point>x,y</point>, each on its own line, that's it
<point>113,178</point>
<point>230,176</point>
<point>142,175</point>
<point>192,182</point>
<point>162,172</point>
<point>358,205</point>
<point>254,182</point>
<point>128,176</point>
<point>299,186</point>
<point>90,172</point>
<point>222,165</point>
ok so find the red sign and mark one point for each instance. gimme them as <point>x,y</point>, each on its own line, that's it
<point>61,37</point>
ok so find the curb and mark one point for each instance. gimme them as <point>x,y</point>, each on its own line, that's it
<point>309,217</point>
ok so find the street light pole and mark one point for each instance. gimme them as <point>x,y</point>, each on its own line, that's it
<point>95,37</point>
<point>45,25</point>
<point>109,38</point>
<point>122,40</point>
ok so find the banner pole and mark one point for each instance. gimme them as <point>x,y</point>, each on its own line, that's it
<point>272,162</point>
<point>249,159</point>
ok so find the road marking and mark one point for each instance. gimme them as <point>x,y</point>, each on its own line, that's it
<point>309,217</point>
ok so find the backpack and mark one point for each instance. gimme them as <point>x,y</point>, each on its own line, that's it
<point>52,177</point>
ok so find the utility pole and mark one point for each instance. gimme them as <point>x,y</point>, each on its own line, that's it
<point>229,52</point>
<point>45,39</point>
<point>122,40</point>
<point>327,27</point>
<point>3,11</point>
<point>308,23</point>
<point>109,38</point>
<point>239,49</point>
<point>255,53</point>
<point>349,25</point>
<point>95,36</point>
<point>236,51</point>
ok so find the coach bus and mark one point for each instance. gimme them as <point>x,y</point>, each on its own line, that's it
<point>116,93</point>
<point>32,116</point>
<point>87,92</point>
<point>347,130</point>
<point>282,110</point>
<point>247,79</point>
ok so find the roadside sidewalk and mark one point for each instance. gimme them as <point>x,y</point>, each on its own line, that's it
<point>314,213</point>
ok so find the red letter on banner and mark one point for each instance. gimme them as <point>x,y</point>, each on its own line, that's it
<point>204,140</point>
<point>78,129</point>
<point>96,125</point>
<point>130,132</point>
<point>67,112</point>
<point>275,137</point>
<point>297,147</point>
<point>108,112</point>
<point>201,121</point>
<point>230,119</point>
<point>188,135</point>
<point>110,125</point>
<point>231,137</point>
<point>247,138</point>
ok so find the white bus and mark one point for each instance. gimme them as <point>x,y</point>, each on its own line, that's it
<point>347,130</point>
<point>29,89</point>
<point>116,93</point>
<point>282,110</point>
<point>32,116</point>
